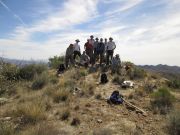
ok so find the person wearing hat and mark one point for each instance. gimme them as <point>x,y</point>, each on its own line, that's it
<point>110,50</point>
<point>116,64</point>
<point>91,40</point>
<point>100,50</point>
<point>69,55</point>
<point>77,50</point>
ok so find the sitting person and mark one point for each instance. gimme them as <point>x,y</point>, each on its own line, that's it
<point>84,60</point>
<point>116,98</point>
<point>116,64</point>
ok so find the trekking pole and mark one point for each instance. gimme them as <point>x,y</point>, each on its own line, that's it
<point>139,109</point>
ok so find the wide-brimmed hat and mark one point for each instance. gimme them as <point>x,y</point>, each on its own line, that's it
<point>97,38</point>
<point>91,36</point>
<point>77,40</point>
<point>110,38</point>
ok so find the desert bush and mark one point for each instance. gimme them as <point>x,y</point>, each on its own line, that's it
<point>174,123</point>
<point>40,82</point>
<point>117,79</point>
<point>175,83</point>
<point>75,121</point>
<point>60,95</point>
<point>55,61</point>
<point>28,72</point>
<point>149,87</point>
<point>6,86</point>
<point>6,129</point>
<point>65,114</point>
<point>162,100</point>
<point>9,71</point>
<point>31,112</point>
<point>137,73</point>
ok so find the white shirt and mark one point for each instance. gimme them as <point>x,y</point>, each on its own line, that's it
<point>111,45</point>
<point>76,47</point>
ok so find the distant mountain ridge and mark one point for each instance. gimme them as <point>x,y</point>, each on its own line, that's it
<point>162,68</point>
<point>22,62</point>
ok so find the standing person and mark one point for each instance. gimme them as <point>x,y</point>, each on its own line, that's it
<point>77,50</point>
<point>116,64</point>
<point>100,50</point>
<point>91,40</point>
<point>95,49</point>
<point>69,55</point>
<point>110,50</point>
<point>105,43</point>
<point>88,47</point>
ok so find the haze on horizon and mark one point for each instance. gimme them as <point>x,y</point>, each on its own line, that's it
<point>145,31</point>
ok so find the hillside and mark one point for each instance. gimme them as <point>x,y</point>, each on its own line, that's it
<point>76,103</point>
<point>162,68</point>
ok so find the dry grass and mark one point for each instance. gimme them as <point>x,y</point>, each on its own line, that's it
<point>31,112</point>
<point>65,114</point>
<point>42,129</point>
<point>6,129</point>
<point>60,95</point>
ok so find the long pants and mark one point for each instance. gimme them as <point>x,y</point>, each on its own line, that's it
<point>90,54</point>
<point>67,59</point>
<point>76,53</point>
<point>109,54</point>
<point>101,57</point>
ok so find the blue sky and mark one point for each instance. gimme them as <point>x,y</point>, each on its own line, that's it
<point>145,31</point>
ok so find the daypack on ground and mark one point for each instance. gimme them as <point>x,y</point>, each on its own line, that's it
<point>61,69</point>
<point>116,98</point>
<point>104,78</point>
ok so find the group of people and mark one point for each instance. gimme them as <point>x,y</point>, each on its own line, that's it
<point>95,49</point>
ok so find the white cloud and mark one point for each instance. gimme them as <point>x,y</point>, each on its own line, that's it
<point>150,41</point>
<point>14,14</point>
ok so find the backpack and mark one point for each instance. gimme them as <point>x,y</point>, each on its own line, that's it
<point>104,78</point>
<point>61,69</point>
<point>116,98</point>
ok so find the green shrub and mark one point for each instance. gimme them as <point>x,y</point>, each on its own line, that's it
<point>174,123</point>
<point>56,61</point>
<point>6,86</point>
<point>40,82</point>
<point>175,83</point>
<point>9,71</point>
<point>28,72</point>
<point>137,73</point>
<point>162,100</point>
